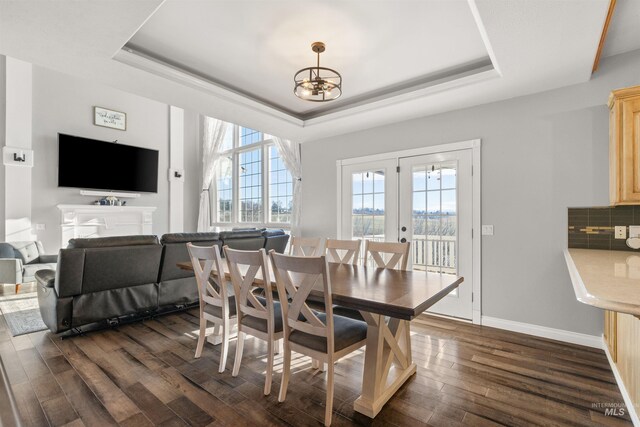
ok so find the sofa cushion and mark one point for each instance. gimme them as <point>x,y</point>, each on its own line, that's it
<point>189,237</point>
<point>109,242</point>
<point>120,267</point>
<point>29,270</point>
<point>27,251</point>
<point>240,234</point>
<point>6,250</point>
<point>272,232</point>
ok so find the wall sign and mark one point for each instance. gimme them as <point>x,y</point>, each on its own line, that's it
<point>109,118</point>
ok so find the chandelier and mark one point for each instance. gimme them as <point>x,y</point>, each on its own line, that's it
<point>318,84</point>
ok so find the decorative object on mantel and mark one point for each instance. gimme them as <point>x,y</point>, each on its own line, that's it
<point>109,118</point>
<point>110,201</point>
<point>15,156</point>
<point>318,84</point>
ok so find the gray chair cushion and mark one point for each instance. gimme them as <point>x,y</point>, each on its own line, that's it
<point>29,270</point>
<point>27,251</point>
<point>217,311</point>
<point>261,324</point>
<point>346,332</point>
<point>347,312</point>
<point>109,242</point>
<point>189,237</point>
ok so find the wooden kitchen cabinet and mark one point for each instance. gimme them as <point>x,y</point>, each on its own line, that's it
<point>624,146</point>
<point>610,336</point>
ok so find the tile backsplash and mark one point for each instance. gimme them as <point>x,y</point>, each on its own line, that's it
<point>593,228</point>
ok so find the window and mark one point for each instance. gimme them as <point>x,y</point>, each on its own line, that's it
<point>280,189</point>
<point>249,136</point>
<point>224,189</point>
<point>252,186</point>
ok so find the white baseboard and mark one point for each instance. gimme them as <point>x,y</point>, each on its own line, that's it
<point>623,390</point>
<point>543,331</point>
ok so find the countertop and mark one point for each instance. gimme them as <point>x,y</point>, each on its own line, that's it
<point>606,279</point>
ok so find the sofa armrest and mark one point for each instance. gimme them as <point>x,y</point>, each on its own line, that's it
<point>10,270</point>
<point>47,259</point>
<point>46,278</point>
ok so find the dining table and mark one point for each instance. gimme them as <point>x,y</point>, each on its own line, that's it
<point>387,300</point>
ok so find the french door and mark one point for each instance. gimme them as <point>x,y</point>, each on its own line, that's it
<point>423,199</point>
<point>435,215</point>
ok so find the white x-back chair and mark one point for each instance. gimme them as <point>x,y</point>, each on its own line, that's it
<point>306,246</point>
<point>258,316</point>
<point>322,336</point>
<point>343,251</point>
<point>392,255</point>
<point>216,305</point>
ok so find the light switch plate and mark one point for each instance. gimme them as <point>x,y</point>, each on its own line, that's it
<point>621,231</point>
<point>634,231</point>
<point>487,230</point>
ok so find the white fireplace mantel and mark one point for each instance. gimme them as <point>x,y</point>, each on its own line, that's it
<point>81,221</point>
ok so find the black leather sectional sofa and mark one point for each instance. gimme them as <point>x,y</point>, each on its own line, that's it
<point>105,280</point>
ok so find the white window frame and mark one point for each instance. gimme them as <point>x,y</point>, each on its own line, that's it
<point>234,153</point>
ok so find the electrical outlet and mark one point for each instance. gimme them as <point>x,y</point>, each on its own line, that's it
<point>634,231</point>
<point>621,231</point>
<point>487,230</point>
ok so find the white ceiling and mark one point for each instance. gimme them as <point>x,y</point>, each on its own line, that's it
<point>624,29</point>
<point>534,45</point>
<point>255,47</point>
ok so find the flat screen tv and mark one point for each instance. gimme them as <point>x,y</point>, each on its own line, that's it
<point>101,165</point>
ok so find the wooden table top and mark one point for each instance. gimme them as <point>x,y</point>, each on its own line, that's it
<point>394,293</point>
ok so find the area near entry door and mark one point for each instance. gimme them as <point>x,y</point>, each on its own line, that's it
<point>435,194</point>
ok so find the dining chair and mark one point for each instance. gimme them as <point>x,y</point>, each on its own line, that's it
<point>216,305</point>
<point>343,251</point>
<point>258,315</point>
<point>391,255</point>
<point>322,336</point>
<point>306,246</point>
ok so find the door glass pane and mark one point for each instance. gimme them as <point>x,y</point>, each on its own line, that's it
<point>435,207</point>
<point>367,209</point>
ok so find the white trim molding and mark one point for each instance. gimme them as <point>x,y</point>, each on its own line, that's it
<point>623,390</point>
<point>543,331</point>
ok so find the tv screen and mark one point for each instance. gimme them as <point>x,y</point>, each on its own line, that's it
<point>101,165</point>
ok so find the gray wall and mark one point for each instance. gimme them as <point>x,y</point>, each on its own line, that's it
<point>3,115</point>
<point>62,103</point>
<point>540,154</point>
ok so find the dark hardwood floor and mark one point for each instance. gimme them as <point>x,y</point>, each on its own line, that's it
<point>145,374</point>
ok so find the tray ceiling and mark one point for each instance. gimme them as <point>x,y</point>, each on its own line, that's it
<point>254,48</point>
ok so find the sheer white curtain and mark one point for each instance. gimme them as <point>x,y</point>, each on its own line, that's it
<point>212,139</point>
<point>290,154</point>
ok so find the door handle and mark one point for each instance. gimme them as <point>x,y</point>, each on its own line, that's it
<point>404,229</point>
<point>403,240</point>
